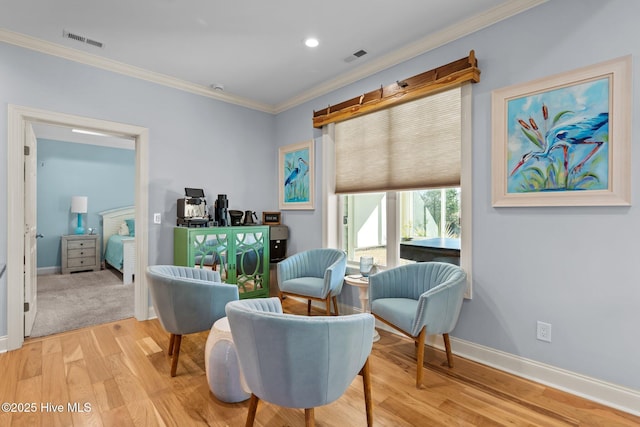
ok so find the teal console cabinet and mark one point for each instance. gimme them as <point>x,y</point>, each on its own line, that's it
<point>240,254</point>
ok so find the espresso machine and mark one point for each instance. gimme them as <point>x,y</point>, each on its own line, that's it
<point>192,209</point>
<point>221,211</point>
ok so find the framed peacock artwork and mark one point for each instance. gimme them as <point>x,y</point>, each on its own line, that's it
<point>296,176</point>
<point>564,140</point>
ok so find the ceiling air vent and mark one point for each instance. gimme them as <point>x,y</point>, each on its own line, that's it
<point>82,39</point>
<point>94,43</point>
<point>355,55</point>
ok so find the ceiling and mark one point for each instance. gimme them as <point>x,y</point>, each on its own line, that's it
<point>253,48</point>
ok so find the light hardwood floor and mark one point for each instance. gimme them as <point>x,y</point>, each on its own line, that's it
<point>121,371</point>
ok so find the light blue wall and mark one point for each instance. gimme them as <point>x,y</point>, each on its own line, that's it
<point>65,169</point>
<point>194,141</point>
<point>574,267</point>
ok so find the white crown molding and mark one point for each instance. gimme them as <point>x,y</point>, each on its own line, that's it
<point>471,25</point>
<point>431,42</point>
<point>49,48</point>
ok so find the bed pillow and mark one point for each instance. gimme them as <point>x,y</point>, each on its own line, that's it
<point>124,230</point>
<point>131,224</point>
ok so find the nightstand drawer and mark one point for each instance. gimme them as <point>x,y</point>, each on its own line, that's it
<point>78,253</point>
<point>88,262</point>
<point>80,244</point>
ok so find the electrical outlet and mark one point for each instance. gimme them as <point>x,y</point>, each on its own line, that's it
<point>544,331</point>
<point>156,218</point>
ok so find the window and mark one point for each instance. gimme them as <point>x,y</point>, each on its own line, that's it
<point>423,215</point>
<point>373,210</point>
<point>364,230</point>
<point>430,213</point>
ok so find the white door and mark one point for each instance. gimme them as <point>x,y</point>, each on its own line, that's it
<point>30,230</point>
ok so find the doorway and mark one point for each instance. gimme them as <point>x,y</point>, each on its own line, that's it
<point>18,119</point>
<point>101,168</point>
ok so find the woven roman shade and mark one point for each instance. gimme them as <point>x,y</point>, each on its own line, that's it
<point>415,145</point>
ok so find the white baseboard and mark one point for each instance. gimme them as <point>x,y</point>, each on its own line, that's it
<point>48,270</point>
<point>4,343</point>
<point>152,313</point>
<point>608,394</point>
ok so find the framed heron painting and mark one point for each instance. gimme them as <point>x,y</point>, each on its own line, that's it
<point>564,140</point>
<point>296,176</point>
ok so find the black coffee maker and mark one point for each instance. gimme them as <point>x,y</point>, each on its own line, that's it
<point>236,217</point>
<point>221,211</point>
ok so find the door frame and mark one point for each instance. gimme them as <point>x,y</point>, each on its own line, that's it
<point>18,116</point>
<point>30,228</point>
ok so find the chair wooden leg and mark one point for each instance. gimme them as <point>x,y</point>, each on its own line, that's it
<point>172,340</point>
<point>420,356</point>
<point>335,305</point>
<point>280,296</point>
<point>253,407</point>
<point>447,347</point>
<point>176,354</point>
<point>366,382</point>
<point>328,304</point>
<point>309,419</point>
<point>309,307</point>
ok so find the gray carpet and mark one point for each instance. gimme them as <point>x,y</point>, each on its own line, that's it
<point>72,301</point>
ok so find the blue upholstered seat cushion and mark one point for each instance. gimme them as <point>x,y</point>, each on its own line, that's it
<point>401,312</point>
<point>308,286</point>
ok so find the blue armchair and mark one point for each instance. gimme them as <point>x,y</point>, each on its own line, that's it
<point>418,300</point>
<point>187,300</point>
<point>316,274</point>
<point>297,361</point>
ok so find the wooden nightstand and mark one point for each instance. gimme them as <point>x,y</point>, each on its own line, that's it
<point>80,252</point>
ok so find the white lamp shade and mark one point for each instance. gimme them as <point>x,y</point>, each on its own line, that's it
<point>79,204</point>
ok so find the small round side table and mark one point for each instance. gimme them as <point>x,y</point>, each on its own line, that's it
<point>362,283</point>
<point>221,365</point>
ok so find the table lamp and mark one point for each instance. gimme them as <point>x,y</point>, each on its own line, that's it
<point>79,206</point>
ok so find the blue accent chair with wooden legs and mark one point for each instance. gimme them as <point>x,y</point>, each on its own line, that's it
<point>316,274</point>
<point>299,361</point>
<point>419,299</point>
<point>187,300</point>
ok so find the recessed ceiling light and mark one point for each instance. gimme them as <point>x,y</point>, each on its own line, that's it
<point>311,42</point>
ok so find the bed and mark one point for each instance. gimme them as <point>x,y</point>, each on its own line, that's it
<point>118,241</point>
